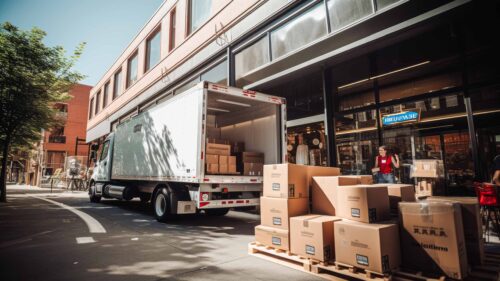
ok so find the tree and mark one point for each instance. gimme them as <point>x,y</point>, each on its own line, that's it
<point>33,77</point>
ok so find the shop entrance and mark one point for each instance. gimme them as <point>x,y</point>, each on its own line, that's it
<point>443,143</point>
<point>306,144</point>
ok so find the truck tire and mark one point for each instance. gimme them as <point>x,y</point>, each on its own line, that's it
<point>161,204</point>
<point>217,212</point>
<point>92,196</point>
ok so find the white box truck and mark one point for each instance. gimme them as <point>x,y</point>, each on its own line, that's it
<point>159,155</point>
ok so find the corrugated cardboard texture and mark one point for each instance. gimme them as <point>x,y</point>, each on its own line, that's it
<point>276,212</point>
<point>218,149</point>
<point>212,159</point>
<point>364,203</point>
<point>473,230</point>
<point>285,181</point>
<point>399,193</point>
<point>252,169</point>
<point>312,236</point>
<point>273,237</point>
<point>432,238</point>
<point>324,192</point>
<point>370,246</point>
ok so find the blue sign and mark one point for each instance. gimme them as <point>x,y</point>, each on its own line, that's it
<point>402,117</point>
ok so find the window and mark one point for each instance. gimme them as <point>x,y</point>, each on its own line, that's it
<point>171,32</point>
<point>299,31</point>
<point>91,106</point>
<point>187,85</point>
<point>97,100</point>
<point>105,95</point>
<point>104,152</point>
<point>345,12</point>
<point>249,59</point>
<point>153,50</point>
<point>384,3</point>
<point>217,74</point>
<point>57,135</point>
<point>117,84</point>
<point>132,70</point>
<point>199,11</point>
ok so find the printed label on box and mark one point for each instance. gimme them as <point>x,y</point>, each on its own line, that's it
<point>276,186</point>
<point>355,212</point>
<point>276,241</point>
<point>362,260</point>
<point>276,221</point>
<point>310,250</point>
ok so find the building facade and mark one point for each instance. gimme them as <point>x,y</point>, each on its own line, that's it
<point>67,140</point>
<point>418,76</point>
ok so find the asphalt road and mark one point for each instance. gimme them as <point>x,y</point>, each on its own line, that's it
<point>41,240</point>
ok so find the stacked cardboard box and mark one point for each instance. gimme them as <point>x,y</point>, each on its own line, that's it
<point>251,163</point>
<point>286,195</point>
<point>432,238</point>
<point>399,193</point>
<point>472,226</point>
<point>427,172</point>
<point>219,158</point>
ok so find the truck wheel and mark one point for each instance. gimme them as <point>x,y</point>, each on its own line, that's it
<point>92,196</point>
<point>161,205</point>
<point>217,212</point>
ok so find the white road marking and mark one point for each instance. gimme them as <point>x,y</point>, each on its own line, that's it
<point>84,240</point>
<point>93,225</point>
<point>134,239</point>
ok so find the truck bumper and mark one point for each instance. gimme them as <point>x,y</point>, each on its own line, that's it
<point>229,203</point>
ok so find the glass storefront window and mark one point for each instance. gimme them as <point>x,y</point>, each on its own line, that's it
<point>249,59</point>
<point>217,74</point>
<point>300,31</point>
<point>356,152</point>
<point>306,144</point>
<point>358,121</point>
<point>345,12</point>
<point>384,3</point>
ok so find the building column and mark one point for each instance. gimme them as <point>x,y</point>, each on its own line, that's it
<point>231,80</point>
<point>329,104</point>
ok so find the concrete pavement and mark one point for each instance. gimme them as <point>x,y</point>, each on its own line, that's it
<point>40,240</point>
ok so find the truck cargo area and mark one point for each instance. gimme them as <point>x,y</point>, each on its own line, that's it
<point>248,125</point>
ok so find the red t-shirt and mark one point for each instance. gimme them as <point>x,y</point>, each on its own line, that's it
<point>384,163</point>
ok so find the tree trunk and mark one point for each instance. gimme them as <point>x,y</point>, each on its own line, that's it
<point>3,173</point>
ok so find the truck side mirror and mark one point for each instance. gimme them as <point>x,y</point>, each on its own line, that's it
<point>93,155</point>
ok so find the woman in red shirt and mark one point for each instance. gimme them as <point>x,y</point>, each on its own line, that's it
<point>384,163</point>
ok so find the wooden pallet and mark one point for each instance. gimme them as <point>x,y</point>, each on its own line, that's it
<point>316,268</point>
<point>348,271</point>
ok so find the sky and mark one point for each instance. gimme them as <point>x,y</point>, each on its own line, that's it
<point>107,26</point>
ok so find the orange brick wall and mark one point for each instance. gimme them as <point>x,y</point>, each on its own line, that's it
<point>76,124</point>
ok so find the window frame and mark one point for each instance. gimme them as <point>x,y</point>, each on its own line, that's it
<point>171,29</point>
<point>189,17</point>
<point>105,151</point>
<point>133,56</point>
<point>119,72</point>
<point>147,55</point>
<point>105,93</point>
<point>91,108</point>
<point>97,103</point>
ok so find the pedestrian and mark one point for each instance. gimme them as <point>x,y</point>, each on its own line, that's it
<point>496,170</point>
<point>384,163</point>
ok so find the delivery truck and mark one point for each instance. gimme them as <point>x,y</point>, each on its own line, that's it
<point>160,155</point>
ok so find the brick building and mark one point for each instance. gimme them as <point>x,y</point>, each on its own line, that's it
<point>59,142</point>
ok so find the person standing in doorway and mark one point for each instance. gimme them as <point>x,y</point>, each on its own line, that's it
<point>302,155</point>
<point>384,162</point>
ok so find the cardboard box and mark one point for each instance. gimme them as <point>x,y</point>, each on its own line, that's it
<point>223,160</point>
<point>423,188</point>
<point>273,237</point>
<point>275,212</point>
<point>219,149</point>
<point>399,193</point>
<point>212,168</point>
<point>362,179</point>
<point>217,141</point>
<point>253,169</point>
<point>285,181</point>
<point>212,159</point>
<point>432,238</point>
<point>427,168</point>
<point>231,169</point>
<point>364,203</point>
<point>291,180</point>
<point>231,160</point>
<point>472,224</point>
<point>251,157</point>
<point>223,168</point>
<point>374,247</point>
<point>324,192</point>
<point>311,236</point>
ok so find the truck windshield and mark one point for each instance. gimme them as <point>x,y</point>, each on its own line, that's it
<point>104,151</point>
